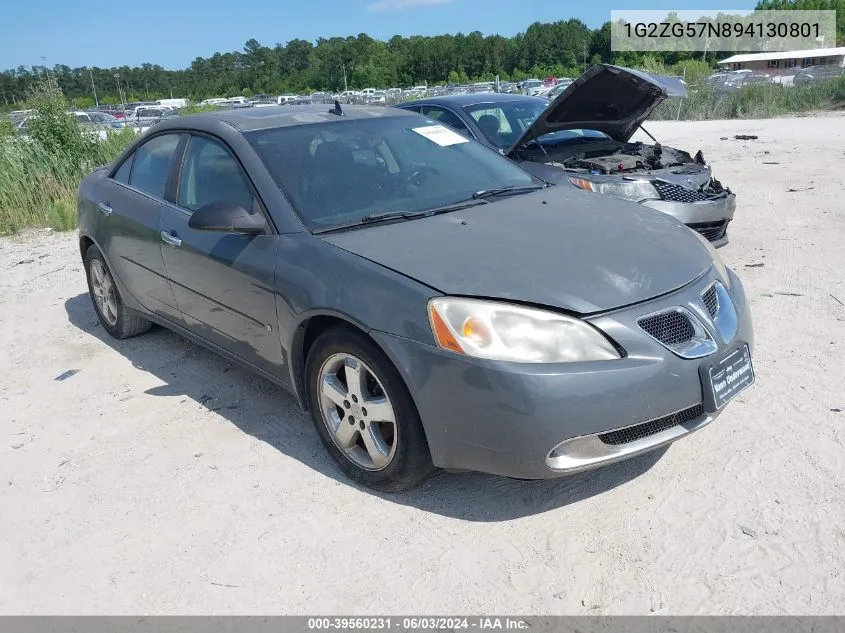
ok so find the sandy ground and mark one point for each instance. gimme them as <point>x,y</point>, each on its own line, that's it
<point>161,479</point>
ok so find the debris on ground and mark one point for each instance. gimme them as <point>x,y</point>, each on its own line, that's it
<point>789,294</point>
<point>54,484</point>
<point>66,374</point>
<point>793,190</point>
<point>746,137</point>
<point>770,162</point>
<point>833,410</point>
<point>748,531</point>
<point>25,261</point>
<point>836,299</point>
<point>755,265</point>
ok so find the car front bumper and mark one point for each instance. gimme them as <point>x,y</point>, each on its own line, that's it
<point>708,217</point>
<point>536,421</point>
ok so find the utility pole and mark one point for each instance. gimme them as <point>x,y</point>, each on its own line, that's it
<point>345,87</point>
<point>44,63</point>
<point>585,55</point>
<point>146,90</point>
<point>94,88</point>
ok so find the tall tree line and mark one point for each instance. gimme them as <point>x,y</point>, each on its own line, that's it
<point>559,48</point>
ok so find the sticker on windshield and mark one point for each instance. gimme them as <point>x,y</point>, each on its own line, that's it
<point>441,135</point>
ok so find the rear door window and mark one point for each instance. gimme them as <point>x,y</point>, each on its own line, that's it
<point>152,164</point>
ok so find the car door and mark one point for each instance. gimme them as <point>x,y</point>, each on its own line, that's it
<point>130,202</point>
<point>223,282</point>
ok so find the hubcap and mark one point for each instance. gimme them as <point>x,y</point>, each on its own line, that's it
<point>357,412</point>
<point>105,293</point>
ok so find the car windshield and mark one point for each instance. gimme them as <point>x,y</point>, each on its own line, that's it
<point>503,123</point>
<point>341,172</point>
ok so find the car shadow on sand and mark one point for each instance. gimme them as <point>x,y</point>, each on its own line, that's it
<point>191,371</point>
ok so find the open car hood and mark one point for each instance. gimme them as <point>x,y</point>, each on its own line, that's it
<point>611,99</point>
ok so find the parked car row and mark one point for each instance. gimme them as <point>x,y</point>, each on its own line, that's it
<point>577,138</point>
<point>431,302</point>
<point>729,81</point>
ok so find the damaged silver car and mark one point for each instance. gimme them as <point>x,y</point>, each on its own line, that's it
<point>586,132</point>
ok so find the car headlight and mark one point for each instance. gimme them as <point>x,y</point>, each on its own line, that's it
<point>718,264</point>
<point>636,190</point>
<point>508,332</point>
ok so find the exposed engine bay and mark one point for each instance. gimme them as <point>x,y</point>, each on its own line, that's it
<point>622,158</point>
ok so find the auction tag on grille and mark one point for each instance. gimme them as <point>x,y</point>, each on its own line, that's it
<point>727,379</point>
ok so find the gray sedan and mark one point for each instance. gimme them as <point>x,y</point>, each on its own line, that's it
<point>430,302</point>
<point>584,135</point>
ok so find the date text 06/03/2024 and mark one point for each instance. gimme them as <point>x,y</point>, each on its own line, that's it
<point>417,623</point>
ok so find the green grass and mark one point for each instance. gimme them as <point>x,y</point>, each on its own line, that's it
<point>38,185</point>
<point>756,102</point>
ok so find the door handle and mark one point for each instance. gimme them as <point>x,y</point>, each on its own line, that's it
<point>167,238</point>
<point>105,208</point>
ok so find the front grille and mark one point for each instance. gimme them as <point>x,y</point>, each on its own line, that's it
<point>677,193</point>
<point>713,231</point>
<point>670,328</point>
<point>639,431</point>
<point>711,300</point>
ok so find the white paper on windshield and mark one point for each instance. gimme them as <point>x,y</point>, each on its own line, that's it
<point>441,135</point>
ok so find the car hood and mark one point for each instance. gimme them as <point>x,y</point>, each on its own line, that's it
<point>560,247</point>
<point>611,99</point>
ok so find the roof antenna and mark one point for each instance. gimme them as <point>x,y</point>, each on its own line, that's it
<point>336,109</point>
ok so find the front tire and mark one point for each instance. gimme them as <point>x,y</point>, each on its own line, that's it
<point>115,317</point>
<point>363,412</point>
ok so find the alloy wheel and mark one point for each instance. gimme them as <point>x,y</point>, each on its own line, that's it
<point>357,412</point>
<point>105,292</point>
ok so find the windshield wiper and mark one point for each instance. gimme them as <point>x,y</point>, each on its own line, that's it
<point>413,215</point>
<point>509,190</point>
<point>402,215</point>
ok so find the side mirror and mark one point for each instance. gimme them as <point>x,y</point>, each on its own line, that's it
<point>228,218</point>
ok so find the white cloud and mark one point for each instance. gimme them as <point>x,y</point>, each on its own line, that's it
<point>400,5</point>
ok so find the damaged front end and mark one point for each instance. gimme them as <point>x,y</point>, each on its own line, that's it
<point>663,178</point>
<point>586,131</point>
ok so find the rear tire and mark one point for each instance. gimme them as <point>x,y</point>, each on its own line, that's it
<point>346,373</point>
<point>114,316</point>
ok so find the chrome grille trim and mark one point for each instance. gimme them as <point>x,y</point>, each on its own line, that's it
<point>694,342</point>
<point>725,320</point>
<point>710,298</point>
<point>589,451</point>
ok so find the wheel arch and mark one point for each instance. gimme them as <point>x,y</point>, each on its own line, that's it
<point>310,326</point>
<point>85,243</point>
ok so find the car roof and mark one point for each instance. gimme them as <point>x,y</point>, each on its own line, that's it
<point>471,99</point>
<point>251,119</point>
